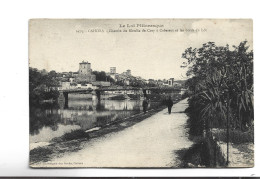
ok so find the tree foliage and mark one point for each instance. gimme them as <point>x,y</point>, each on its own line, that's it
<point>42,86</point>
<point>101,76</point>
<point>221,78</point>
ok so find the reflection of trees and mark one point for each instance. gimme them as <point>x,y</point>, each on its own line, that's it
<point>125,105</point>
<point>40,118</point>
<point>100,107</point>
<point>85,121</point>
<point>137,106</point>
<point>84,116</point>
<point>103,120</point>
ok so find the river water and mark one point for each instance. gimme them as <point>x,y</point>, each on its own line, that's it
<point>54,121</point>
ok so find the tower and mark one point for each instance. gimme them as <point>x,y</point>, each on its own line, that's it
<point>84,69</point>
<point>85,73</point>
<point>170,81</point>
<point>128,72</point>
<point>112,70</point>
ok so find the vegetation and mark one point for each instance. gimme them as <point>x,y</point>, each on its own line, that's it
<point>236,136</point>
<point>41,118</point>
<point>74,134</point>
<point>42,86</point>
<point>204,153</point>
<point>220,87</point>
<point>101,76</point>
<point>40,154</point>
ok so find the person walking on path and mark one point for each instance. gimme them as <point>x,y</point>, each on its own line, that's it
<point>145,105</point>
<point>169,104</point>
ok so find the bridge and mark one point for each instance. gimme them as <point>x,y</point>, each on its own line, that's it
<point>97,92</point>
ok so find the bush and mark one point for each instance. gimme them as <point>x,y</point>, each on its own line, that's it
<point>221,85</point>
<point>235,136</point>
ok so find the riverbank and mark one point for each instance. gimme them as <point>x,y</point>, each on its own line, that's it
<point>133,142</point>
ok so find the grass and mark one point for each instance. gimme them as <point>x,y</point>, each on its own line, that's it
<point>40,150</point>
<point>74,134</point>
<point>235,136</point>
<point>40,154</point>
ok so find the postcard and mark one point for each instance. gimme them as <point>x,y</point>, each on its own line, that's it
<point>141,93</point>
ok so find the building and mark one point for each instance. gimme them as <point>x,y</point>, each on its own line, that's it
<point>101,83</point>
<point>127,82</point>
<point>113,73</point>
<point>176,84</point>
<point>75,74</point>
<point>85,73</point>
<point>112,70</point>
<point>85,68</point>
<point>160,82</point>
<point>71,80</point>
<point>114,76</point>
<point>65,74</point>
<point>128,72</point>
<point>65,85</point>
<point>171,81</point>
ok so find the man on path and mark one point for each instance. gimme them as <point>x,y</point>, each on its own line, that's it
<point>145,105</point>
<point>169,104</point>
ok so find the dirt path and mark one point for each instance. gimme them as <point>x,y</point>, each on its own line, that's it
<point>150,143</point>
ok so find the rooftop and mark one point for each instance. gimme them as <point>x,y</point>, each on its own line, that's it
<point>83,62</point>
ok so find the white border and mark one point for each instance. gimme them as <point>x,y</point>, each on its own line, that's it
<point>14,123</point>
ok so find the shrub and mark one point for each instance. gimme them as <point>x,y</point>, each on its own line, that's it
<point>235,136</point>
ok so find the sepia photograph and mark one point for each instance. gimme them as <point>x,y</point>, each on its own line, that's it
<point>141,93</point>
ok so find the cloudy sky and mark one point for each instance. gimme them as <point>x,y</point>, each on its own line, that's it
<point>61,45</point>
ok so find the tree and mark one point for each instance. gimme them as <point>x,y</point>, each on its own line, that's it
<point>52,74</point>
<point>221,86</point>
<point>41,86</point>
<point>217,72</point>
<point>101,76</point>
<point>136,83</point>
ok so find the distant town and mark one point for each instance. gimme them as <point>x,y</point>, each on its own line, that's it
<point>85,77</point>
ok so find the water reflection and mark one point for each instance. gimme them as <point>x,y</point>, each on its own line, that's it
<point>54,121</point>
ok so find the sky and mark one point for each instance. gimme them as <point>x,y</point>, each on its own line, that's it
<point>61,44</point>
